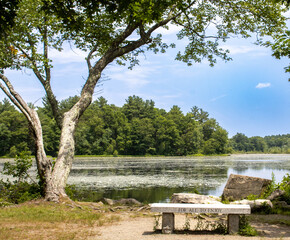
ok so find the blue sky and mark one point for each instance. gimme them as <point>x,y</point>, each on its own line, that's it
<point>249,94</point>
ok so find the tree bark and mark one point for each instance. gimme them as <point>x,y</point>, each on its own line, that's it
<point>56,183</point>
<point>44,165</point>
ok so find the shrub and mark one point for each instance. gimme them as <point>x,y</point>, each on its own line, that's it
<point>115,154</point>
<point>245,228</point>
<point>270,188</point>
<point>23,188</point>
<point>285,186</point>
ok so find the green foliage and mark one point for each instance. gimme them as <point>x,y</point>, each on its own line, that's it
<point>14,131</point>
<point>19,169</point>
<point>20,190</point>
<point>245,228</point>
<point>284,185</point>
<point>270,188</point>
<point>8,13</point>
<point>280,46</point>
<point>136,128</point>
<point>105,27</point>
<point>269,144</point>
<point>252,197</point>
<point>115,153</point>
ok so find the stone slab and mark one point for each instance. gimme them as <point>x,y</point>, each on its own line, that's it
<point>200,208</point>
<point>233,223</point>
<point>194,198</point>
<point>167,223</point>
<point>239,186</point>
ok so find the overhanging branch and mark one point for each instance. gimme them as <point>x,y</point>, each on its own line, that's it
<point>15,97</point>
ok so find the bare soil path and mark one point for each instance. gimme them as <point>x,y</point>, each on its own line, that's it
<point>141,228</point>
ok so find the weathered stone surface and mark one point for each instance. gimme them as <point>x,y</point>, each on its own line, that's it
<point>200,208</point>
<point>123,201</point>
<point>239,186</point>
<point>276,194</point>
<point>108,201</point>
<point>254,204</point>
<point>127,201</point>
<point>194,198</point>
<point>233,223</point>
<point>167,223</point>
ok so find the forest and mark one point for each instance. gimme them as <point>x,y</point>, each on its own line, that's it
<point>136,128</point>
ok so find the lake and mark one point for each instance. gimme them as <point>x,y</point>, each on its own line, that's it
<point>155,179</point>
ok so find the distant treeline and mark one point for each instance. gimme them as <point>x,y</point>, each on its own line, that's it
<point>136,128</point>
<point>269,144</point>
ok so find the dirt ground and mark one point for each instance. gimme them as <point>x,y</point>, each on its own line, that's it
<point>141,228</point>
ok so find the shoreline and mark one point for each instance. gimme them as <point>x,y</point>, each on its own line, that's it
<point>3,159</point>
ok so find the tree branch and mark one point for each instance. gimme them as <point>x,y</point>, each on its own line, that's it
<point>15,97</point>
<point>203,36</point>
<point>90,56</point>
<point>115,44</point>
<point>31,59</point>
<point>44,81</point>
<point>46,84</point>
<point>45,53</point>
<point>116,51</point>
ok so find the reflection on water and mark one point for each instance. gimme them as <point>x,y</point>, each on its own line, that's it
<point>156,179</point>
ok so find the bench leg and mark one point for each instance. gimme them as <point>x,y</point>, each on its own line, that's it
<point>167,223</point>
<point>233,223</point>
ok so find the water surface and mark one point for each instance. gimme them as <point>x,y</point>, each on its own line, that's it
<point>156,179</point>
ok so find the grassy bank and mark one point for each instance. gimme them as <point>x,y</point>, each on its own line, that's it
<point>43,220</point>
<point>146,156</point>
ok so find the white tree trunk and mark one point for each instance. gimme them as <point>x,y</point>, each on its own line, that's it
<point>56,184</point>
<point>44,165</point>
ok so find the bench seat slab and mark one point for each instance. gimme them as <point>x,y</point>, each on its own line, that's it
<point>200,208</point>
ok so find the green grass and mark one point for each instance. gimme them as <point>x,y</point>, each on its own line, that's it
<point>60,221</point>
<point>245,227</point>
<point>48,212</point>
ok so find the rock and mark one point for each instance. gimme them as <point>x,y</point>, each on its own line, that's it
<point>277,193</point>
<point>281,204</point>
<point>123,201</point>
<point>254,204</point>
<point>194,198</point>
<point>127,201</point>
<point>239,187</point>
<point>108,201</point>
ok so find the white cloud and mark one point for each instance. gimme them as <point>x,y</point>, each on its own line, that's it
<point>67,56</point>
<point>136,78</point>
<point>173,29</point>
<point>217,98</point>
<point>244,49</point>
<point>263,85</point>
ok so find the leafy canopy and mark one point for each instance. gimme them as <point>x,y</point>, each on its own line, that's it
<point>97,26</point>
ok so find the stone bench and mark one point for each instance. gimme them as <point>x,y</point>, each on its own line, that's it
<point>168,210</point>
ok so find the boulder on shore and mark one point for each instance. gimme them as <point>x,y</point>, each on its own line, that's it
<point>276,194</point>
<point>239,187</point>
<point>194,198</point>
<point>254,204</point>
